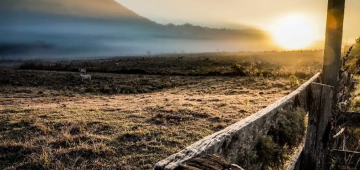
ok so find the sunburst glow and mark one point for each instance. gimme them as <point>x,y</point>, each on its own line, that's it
<point>293,32</point>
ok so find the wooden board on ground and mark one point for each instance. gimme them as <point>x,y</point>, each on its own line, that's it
<point>208,162</point>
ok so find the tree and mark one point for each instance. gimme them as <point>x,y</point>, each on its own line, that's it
<point>358,41</point>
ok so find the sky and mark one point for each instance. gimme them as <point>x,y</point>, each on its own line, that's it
<point>245,13</point>
<point>290,24</point>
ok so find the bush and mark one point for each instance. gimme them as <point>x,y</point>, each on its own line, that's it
<point>239,70</point>
<point>105,89</point>
<point>90,90</point>
<point>273,149</point>
<point>301,75</point>
<point>291,127</point>
<point>30,66</point>
<point>270,153</point>
<point>293,81</point>
<point>129,90</point>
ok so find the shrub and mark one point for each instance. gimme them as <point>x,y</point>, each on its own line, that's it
<point>129,90</point>
<point>270,153</point>
<point>291,127</point>
<point>301,75</point>
<point>267,74</point>
<point>30,66</point>
<point>105,89</point>
<point>293,81</point>
<point>239,70</point>
<point>273,149</point>
<point>90,90</point>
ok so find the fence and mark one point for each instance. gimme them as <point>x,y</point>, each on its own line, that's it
<point>324,142</point>
<point>236,142</point>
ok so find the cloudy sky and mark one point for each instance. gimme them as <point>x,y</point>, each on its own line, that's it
<point>240,13</point>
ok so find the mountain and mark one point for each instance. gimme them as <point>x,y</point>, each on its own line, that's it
<point>80,28</point>
<point>85,8</point>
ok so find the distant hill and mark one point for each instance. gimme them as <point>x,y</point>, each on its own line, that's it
<point>84,8</point>
<point>102,27</point>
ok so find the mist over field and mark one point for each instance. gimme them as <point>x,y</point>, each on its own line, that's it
<point>68,29</point>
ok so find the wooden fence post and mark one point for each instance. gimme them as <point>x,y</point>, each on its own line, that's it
<point>318,130</point>
<point>333,41</point>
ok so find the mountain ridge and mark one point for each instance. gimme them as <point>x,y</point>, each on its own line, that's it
<point>89,8</point>
<point>85,8</point>
<point>76,26</point>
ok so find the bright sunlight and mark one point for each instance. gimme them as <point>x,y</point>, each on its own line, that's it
<point>293,32</point>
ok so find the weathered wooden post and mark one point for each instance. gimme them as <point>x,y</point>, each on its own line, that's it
<point>318,131</point>
<point>333,41</point>
<point>323,96</point>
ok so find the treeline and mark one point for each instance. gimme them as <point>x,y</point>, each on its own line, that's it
<point>215,33</point>
<point>8,60</point>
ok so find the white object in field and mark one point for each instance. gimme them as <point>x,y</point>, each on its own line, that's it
<point>82,70</point>
<point>85,77</point>
<point>117,64</point>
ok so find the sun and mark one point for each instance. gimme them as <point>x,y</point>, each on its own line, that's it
<point>293,32</point>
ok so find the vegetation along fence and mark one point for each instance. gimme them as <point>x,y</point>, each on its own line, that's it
<point>303,130</point>
<point>240,142</point>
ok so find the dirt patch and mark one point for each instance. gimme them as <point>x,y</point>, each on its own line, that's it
<point>12,111</point>
<point>14,153</point>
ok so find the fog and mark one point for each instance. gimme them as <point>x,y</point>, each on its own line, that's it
<point>35,35</point>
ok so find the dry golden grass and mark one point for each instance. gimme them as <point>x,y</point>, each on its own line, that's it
<point>302,64</point>
<point>52,120</point>
<point>124,131</point>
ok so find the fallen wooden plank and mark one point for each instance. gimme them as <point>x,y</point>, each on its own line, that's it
<point>208,162</point>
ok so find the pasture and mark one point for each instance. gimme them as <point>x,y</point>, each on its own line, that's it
<point>51,119</point>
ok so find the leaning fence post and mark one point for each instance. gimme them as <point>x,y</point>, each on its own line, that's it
<point>318,130</point>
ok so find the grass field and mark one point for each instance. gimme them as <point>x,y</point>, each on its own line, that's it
<point>52,120</point>
<point>303,64</point>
